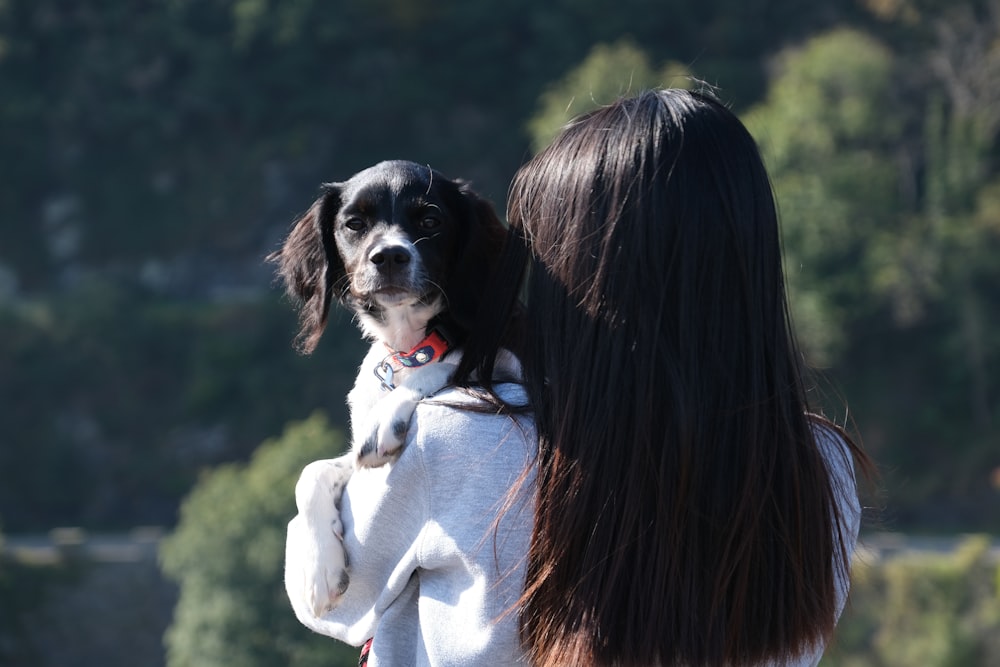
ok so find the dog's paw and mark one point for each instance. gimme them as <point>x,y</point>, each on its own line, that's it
<point>316,558</point>
<point>316,572</point>
<point>388,421</point>
<point>386,427</point>
<point>327,577</point>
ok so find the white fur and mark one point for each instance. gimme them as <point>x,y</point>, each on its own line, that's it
<point>405,321</point>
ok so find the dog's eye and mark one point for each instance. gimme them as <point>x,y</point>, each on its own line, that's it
<point>355,224</point>
<point>429,222</point>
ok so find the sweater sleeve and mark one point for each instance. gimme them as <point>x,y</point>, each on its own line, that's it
<point>840,465</point>
<point>384,511</point>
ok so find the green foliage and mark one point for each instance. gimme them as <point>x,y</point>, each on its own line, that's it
<point>928,610</point>
<point>609,71</point>
<point>227,554</point>
<point>889,219</point>
<point>186,135</point>
<point>124,396</point>
<point>824,134</point>
<point>174,124</point>
<point>828,94</point>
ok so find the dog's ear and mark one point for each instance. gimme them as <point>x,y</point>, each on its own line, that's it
<point>310,266</point>
<point>484,235</point>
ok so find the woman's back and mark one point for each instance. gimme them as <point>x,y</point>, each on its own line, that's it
<point>687,512</point>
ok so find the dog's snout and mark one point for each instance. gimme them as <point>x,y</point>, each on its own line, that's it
<point>390,265</point>
<point>388,256</point>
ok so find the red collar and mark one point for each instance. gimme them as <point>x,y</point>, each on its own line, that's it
<point>432,348</point>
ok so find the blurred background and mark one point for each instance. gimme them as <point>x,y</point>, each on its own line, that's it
<point>154,416</point>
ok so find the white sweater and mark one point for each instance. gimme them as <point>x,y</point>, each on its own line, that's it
<point>431,577</point>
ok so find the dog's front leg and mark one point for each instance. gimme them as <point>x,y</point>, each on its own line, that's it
<point>316,562</point>
<point>388,421</point>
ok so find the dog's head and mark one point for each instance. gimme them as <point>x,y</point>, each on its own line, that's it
<point>395,236</point>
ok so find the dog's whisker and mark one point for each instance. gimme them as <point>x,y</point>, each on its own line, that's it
<point>426,238</point>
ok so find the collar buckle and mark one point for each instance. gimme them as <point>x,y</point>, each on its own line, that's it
<point>384,373</point>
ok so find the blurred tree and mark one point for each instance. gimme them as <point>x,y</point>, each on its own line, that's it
<point>887,193</point>
<point>144,130</point>
<point>138,393</point>
<point>159,149</point>
<point>933,610</point>
<point>608,72</point>
<point>953,78</point>
<point>962,186</point>
<point>825,133</point>
<point>227,554</point>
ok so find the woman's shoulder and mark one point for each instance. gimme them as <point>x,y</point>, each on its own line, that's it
<point>835,446</point>
<point>512,393</point>
<point>458,419</point>
<point>833,443</point>
<point>456,406</point>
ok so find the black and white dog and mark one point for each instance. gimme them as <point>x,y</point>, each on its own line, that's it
<point>410,253</point>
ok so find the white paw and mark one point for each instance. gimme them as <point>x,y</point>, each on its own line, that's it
<point>387,422</point>
<point>316,562</point>
<point>315,571</point>
<point>385,428</point>
<point>324,569</point>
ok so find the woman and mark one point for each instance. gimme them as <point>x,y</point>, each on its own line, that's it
<point>687,507</point>
<point>689,510</point>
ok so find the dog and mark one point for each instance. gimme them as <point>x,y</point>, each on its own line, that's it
<point>409,252</point>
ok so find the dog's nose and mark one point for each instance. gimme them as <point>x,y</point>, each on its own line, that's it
<point>388,256</point>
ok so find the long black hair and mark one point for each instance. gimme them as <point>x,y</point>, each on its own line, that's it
<point>685,514</point>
